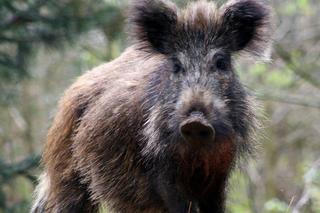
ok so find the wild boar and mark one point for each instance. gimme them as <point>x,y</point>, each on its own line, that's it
<point>160,128</point>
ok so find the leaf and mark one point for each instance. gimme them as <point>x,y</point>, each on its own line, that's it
<point>303,4</point>
<point>275,205</point>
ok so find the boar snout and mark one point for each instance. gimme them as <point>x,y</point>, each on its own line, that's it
<point>196,129</point>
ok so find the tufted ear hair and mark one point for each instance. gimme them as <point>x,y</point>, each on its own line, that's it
<point>246,25</point>
<point>153,24</point>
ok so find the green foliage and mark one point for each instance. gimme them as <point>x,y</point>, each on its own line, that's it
<point>238,202</point>
<point>26,24</point>
<point>25,28</point>
<point>304,5</point>
<point>276,206</point>
<point>280,78</point>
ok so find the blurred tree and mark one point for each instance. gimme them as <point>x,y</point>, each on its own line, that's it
<point>25,27</point>
<point>26,24</point>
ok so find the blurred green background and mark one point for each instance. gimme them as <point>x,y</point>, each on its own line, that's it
<point>46,44</point>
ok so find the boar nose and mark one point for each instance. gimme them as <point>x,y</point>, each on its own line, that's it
<point>197,129</point>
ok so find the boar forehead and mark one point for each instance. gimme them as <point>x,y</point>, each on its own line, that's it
<point>197,29</point>
<point>196,58</point>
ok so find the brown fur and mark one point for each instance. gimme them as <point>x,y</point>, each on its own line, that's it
<point>200,15</point>
<point>99,88</point>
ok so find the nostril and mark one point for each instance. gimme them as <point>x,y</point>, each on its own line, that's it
<point>197,131</point>
<point>204,133</point>
<point>187,133</point>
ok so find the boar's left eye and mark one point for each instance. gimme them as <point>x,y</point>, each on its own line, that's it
<point>177,67</point>
<point>221,62</point>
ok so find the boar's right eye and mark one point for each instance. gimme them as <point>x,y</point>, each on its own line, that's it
<point>177,67</point>
<point>221,62</point>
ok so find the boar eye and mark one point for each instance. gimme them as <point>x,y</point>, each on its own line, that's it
<point>177,67</point>
<point>221,62</point>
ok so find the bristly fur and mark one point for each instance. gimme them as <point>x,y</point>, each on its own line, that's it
<point>116,137</point>
<point>154,22</point>
<point>41,194</point>
<point>159,25</point>
<point>249,21</point>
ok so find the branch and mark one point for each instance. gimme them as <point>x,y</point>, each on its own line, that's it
<point>285,98</point>
<point>8,171</point>
<point>21,17</point>
<point>302,70</point>
<point>306,191</point>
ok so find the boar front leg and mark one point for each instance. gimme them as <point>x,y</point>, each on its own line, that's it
<point>214,200</point>
<point>174,200</point>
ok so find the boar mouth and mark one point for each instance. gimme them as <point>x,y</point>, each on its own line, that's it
<point>197,130</point>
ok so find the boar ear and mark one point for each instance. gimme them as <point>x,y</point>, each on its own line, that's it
<point>153,23</point>
<point>246,25</point>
